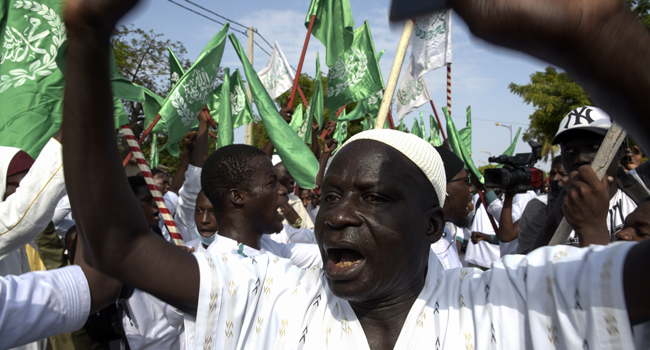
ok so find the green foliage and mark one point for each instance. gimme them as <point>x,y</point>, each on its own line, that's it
<point>642,9</point>
<point>553,95</point>
<point>489,166</point>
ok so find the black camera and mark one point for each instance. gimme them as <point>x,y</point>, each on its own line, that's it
<point>517,174</point>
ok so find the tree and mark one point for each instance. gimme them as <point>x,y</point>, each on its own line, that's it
<point>553,95</point>
<point>143,58</point>
<point>642,9</point>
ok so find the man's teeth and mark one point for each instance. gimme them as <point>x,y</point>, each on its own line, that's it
<point>346,263</point>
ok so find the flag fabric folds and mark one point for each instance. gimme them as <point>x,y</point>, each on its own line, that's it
<point>315,108</point>
<point>434,139</point>
<point>333,26</point>
<point>340,134</point>
<point>511,149</point>
<point>296,118</point>
<point>465,133</point>
<point>31,83</point>
<point>412,94</point>
<point>176,71</point>
<point>431,43</point>
<point>224,113</point>
<point>277,76</point>
<point>459,148</point>
<point>242,111</point>
<point>416,129</point>
<point>356,74</point>
<point>296,156</point>
<point>183,104</point>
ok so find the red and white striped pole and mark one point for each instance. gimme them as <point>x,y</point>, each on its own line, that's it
<point>449,87</point>
<point>151,183</point>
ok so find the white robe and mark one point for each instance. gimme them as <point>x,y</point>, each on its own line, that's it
<point>554,298</point>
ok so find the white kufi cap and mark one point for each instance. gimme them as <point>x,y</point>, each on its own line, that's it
<point>414,148</point>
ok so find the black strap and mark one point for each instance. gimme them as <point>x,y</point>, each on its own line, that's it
<point>631,187</point>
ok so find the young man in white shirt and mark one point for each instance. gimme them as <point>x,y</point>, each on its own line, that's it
<point>380,288</point>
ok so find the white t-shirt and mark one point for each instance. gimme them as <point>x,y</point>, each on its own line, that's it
<point>519,203</point>
<point>40,304</point>
<point>294,235</point>
<point>152,324</point>
<point>445,248</point>
<point>555,297</point>
<point>483,253</point>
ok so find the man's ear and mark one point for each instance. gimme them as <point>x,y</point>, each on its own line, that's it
<point>436,224</point>
<point>237,197</point>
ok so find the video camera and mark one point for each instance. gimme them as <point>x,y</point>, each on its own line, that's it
<point>517,174</point>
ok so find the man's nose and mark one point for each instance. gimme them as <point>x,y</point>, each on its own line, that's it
<point>344,213</point>
<point>282,191</point>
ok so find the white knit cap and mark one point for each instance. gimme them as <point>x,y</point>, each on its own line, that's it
<point>275,160</point>
<point>414,148</point>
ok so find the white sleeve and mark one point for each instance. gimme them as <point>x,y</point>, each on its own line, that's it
<point>572,297</point>
<point>495,208</point>
<point>300,254</point>
<point>40,304</point>
<point>187,202</point>
<point>294,235</point>
<point>519,204</point>
<point>26,213</point>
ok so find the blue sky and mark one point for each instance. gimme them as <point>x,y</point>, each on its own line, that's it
<point>481,72</point>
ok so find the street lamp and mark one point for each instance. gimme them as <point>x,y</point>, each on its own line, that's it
<point>490,153</point>
<point>508,127</point>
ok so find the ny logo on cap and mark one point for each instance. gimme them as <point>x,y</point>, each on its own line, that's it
<point>584,112</point>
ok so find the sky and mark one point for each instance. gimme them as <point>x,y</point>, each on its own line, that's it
<point>481,72</point>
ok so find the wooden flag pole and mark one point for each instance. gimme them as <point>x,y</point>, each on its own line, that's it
<point>444,138</point>
<point>492,222</point>
<point>394,73</point>
<point>338,113</point>
<point>151,183</point>
<point>391,123</point>
<point>606,153</point>
<point>302,59</point>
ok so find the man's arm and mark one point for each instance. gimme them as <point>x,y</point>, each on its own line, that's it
<point>28,211</point>
<point>508,230</point>
<point>330,146</point>
<point>179,177</point>
<point>123,246</point>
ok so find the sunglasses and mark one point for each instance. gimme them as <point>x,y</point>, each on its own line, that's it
<point>468,178</point>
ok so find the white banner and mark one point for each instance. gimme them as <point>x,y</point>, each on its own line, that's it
<point>431,43</point>
<point>412,93</point>
<point>277,76</point>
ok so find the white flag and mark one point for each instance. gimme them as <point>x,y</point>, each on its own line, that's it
<point>277,76</point>
<point>412,93</point>
<point>431,42</point>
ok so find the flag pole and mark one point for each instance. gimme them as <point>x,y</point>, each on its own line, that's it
<point>391,123</point>
<point>492,222</point>
<point>144,136</point>
<point>394,73</point>
<point>438,119</point>
<point>248,136</point>
<point>302,59</point>
<point>151,183</point>
<point>448,88</point>
<point>338,113</point>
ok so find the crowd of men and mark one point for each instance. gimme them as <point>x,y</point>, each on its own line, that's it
<point>397,247</point>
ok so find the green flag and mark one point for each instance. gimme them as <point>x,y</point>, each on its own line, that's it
<point>401,125</point>
<point>365,124</point>
<point>360,111</point>
<point>154,157</point>
<point>175,69</point>
<point>511,150</point>
<point>315,108</point>
<point>242,112</point>
<point>224,115</point>
<point>416,130</point>
<point>341,133</point>
<point>296,156</point>
<point>466,132</point>
<point>457,146</point>
<point>424,130</point>
<point>381,53</point>
<point>183,104</point>
<point>333,26</point>
<point>120,114</point>
<point>434,140</point>
<point>356,73</point>
<point>296,118</point>
<point>152,104</point>
<point>31,84</point>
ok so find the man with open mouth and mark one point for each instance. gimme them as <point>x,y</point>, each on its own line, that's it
<point>380,288</point>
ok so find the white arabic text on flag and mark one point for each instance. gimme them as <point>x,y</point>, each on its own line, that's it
<point>431,43</point>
